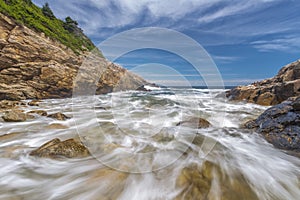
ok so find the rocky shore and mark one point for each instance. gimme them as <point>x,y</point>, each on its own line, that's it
<point>280,124</point>
<point>271,91</point>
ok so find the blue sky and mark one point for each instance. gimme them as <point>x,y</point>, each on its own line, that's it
<point>248,40</point>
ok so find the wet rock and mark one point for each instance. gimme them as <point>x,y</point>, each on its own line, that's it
<point>7,104</point>
<point>271,91</point>
<point>280,125</point>
<point>195,123</point>
<point>55,149</point>
<point>16,116</point>
<point>38,112</point>
<point>142,88</point>
<point>34,103</point>
<point>251,124</point>
<point>57,126</point>
<point>59,116</point>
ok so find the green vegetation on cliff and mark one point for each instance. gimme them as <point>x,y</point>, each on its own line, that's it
<point>43,20</point>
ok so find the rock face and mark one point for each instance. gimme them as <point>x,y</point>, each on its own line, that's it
<point>33,66</point>
<point>271,91</point>
<point>56,149</point>
<point>280,125</point>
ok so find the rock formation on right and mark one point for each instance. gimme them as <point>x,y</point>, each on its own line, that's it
<point>271,91</point>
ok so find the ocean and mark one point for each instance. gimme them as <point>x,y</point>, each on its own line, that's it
<point>141,152</point>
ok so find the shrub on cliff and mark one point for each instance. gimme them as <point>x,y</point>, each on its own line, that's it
<point>43,20</point>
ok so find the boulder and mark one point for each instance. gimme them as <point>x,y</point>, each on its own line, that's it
<point>16,116</point>
<point>56,148</point>
<point>195,122</point>
<point>59,116</point>
<point>280,125</point>
<point>271,91</point>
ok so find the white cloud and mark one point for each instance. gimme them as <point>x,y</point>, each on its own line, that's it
<point>117,14</point>
<point>225,59</point>
<point>291,43</point>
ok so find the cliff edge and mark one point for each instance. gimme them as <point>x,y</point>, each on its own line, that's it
<point>34,66</point>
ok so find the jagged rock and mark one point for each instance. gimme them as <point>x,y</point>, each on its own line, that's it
<point>195,123</point>
<point>280,125</point>
<point>59,116</point>
<point>271,91</point>
<point>56,148</point>
<point>33,66</point>
<point>39,112</point>
<point>16,116</point>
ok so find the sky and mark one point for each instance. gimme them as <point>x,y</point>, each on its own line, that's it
<point>248,40</point>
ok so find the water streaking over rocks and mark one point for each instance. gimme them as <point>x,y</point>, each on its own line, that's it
<point>136,132</point>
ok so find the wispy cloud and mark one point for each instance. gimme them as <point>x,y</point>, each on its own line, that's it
<point>290,43</point>
<point>226,59</point>
<point>103,18</point>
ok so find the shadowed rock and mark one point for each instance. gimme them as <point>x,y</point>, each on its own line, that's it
<point>56,148</point>
<point>280,125</point>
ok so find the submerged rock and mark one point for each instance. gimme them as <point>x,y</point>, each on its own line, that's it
<point>195,122</point>
<point>59,116</point>
<point>280,125</point>
<point>196,182</point>
<point>271,91</point>
<point>38,112</point>
<point>57,126</point>
<point>55,148</point>
<point>16,116</point>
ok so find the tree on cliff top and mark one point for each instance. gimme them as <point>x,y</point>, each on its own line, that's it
<point>47,11</point>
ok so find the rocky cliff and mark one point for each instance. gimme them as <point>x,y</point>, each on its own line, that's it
<point>271,91</point>
<point>33,66</point>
